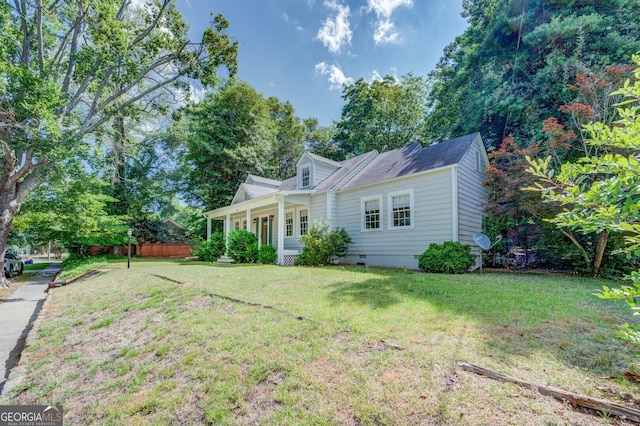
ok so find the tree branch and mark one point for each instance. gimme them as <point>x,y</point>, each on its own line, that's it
<point>575,242</point>
<point>93,126</point>
<point>30,183</point>
<point>153,25</point>
<point>75,29</point>
<point>143,74</point>
<point>39,35</point>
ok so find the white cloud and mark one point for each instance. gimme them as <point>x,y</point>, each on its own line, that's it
<point>285,17</point>
<point>196,92</point>
<point>385,8</point>
<point>335,31</point>
<point>385,31</point>
<point>336,76</point>
<point>300,28</point>
<point>375,76</point>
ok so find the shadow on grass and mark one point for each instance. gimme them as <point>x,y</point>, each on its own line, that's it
<point>376,293</point>
<point>520,314</point>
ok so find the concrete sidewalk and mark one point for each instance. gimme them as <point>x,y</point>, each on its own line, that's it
<point>17,315</point>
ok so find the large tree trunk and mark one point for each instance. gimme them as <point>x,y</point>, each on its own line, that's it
<point>16,182</point>
<point>602,244</point>
<point>9,206</point>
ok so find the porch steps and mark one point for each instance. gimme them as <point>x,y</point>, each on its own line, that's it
<point>224,260</point>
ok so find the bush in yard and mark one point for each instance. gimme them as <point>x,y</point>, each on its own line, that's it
<point>243,246</point>
<point>267,254</point>
<point>449,258</point>
<point>212,249</point>
<point>321,246</point>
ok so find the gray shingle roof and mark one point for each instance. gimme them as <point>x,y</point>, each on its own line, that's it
<point>259,180</point>
<point>412,158</point>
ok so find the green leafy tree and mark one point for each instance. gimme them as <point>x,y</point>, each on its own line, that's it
<point>191,218</point>
<point>319,140</point>
<point>508,71</point>
<point>69,68</point>
<point>288,144</point>
<point>383,115</point>
<point>142,189</point>
<point>600,193</point>
<point>222,139</point>
<point>73,212</point>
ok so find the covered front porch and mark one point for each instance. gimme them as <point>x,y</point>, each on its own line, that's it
<point>277,219</point>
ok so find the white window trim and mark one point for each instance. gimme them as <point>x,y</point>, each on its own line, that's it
<point>297,220</point>
<point>309,166</point>
<point>293,234</point>
<point>363,200</point>
<point>412,210</point>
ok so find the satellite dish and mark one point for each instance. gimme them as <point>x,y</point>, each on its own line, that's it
<point>482,240</point>
<point>484,243</point>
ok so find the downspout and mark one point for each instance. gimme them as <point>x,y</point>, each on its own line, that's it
<point>454,204</point>
<point>280,229</point>
<point>330,197</point>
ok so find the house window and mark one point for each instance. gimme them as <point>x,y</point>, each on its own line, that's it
<point>306,177</point>
<point>371,211</point>
<point>478,162</point>
<point>304,221</point>
<point>244,224</point>
<point>288,224</point>
<point>237,225</point>
<point>400,205</point>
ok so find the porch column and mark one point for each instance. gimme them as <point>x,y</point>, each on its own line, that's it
<point>227,227</point>
<point>281,230</point>
<point>208,228</point>
<point>248,219</point>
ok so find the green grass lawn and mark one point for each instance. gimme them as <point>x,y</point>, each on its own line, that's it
<point>36,266</point>
<point>127,346</point>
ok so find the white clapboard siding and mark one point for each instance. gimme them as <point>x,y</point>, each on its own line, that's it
<point>472,196</point>
<point>431,219</point>
<point>321,172</point>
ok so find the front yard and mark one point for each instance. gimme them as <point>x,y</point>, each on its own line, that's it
<point>157,344</point>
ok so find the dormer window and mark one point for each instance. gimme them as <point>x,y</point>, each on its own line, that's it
<point>306,177</point>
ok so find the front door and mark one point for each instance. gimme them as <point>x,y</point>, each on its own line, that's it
<point>264,230</point>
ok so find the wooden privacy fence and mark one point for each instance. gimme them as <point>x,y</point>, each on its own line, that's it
<point>164,250</point>
<point>147,250</point>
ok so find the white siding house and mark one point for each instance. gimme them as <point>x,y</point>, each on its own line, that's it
<point>392,204</point>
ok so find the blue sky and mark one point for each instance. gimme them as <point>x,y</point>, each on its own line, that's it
<point>302,51</point>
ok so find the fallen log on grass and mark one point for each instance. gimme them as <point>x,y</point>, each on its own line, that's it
<point>576,400</point>
<point>262,305</point>
<point>392,345</point>
<point>244,302</point>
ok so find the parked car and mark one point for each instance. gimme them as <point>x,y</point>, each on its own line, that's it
<point>12,265</point>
